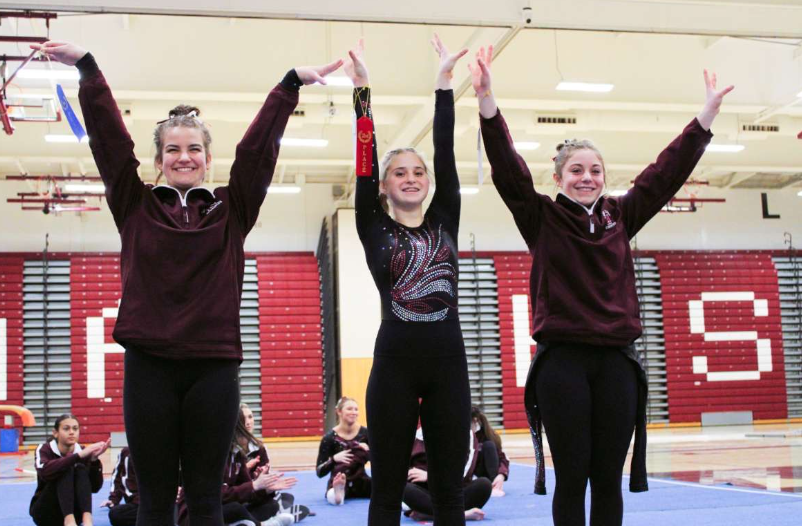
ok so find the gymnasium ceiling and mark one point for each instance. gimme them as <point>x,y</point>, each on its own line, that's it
<point>652,52</point>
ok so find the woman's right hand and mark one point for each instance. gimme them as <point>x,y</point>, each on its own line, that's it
<point>343,457</point>
<point>63,52</point>
<point>481,80</point>
<point>355,67</point>
<point>480,71</point>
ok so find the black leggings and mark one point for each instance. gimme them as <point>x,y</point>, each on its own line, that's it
<point>588,399</point>
<point>235,511</point>
<point>70,494</point>
<point>418,361</point>
<point>179,411</point>
<point>123,514</point>
<point>487,462</point>
<point>477,493</point>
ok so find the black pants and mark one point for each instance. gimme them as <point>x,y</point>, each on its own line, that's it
<point>123,514</point>
<point>235,511</point>
<point>418,362</point>
<point>70,494</point>
<point>588,399</point>
<point>487,462</point>
<point>179,411</point>
<point>418,498</point>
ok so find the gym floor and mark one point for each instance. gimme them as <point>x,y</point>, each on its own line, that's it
<point>712,475</point>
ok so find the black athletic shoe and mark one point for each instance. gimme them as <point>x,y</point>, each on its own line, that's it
<point>299,512</point>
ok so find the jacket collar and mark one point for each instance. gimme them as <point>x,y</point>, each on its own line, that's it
<point>202,189</point>
<point>587,209</point>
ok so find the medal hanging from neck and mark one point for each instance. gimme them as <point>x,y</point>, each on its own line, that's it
<point>364,139</point>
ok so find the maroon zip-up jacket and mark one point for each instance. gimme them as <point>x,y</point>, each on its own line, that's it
<point>182,259</point>
<point>123,481</point>
<point>51,465</point>
<point>583,279</point>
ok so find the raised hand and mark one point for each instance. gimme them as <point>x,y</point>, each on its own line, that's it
<point>713,100</point>
<point>313,74</point>
<point>480,78</point>
<point>355,67</point>
<point>480,71</point>
<point>63,52</point>
<point>447,62</point>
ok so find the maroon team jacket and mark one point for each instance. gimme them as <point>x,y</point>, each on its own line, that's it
<point>50,465</point>
<point>182,258</point>
<point>123,480</point>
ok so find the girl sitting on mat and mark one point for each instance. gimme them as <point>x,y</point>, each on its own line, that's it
<point>343,453</point>
<point>66,476</point>
<point>491,462</point>
<point>123,487</point>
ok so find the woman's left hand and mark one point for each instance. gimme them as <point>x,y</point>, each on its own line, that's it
<point>417,475</point>
<point>447,62</point>
<point>713,101</point>
<point>317,74</point>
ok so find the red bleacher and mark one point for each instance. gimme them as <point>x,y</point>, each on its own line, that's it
<point>684,277</point>
<point>291,345</point>
<point>512,273</point>
<point>94,286</point>
<point>11,272</point>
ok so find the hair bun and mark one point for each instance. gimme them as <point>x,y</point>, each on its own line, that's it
<point>560,146</point>
<point>184,109</point>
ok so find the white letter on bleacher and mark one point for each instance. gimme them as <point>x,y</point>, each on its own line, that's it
<point>96,350</point>
<point>3,359</point>
<point>523,341</point>
<point>696,312</point>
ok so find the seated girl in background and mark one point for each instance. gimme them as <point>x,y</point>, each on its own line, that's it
<point>257,461</point>
<point>66,476</point>
<point>491,461</point>
<point>123,486</point>
<point>418,497</point>
<point>344,451</point>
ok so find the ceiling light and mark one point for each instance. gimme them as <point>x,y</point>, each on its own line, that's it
<point>284,190</point>
<point>469,190</point>
<point>592,87</point>
<point>725,148</point>
<point>800,193</point>
<point>65,138</point>
<point>311,143</point>
<point>52,74</point>
<point>526,145</point>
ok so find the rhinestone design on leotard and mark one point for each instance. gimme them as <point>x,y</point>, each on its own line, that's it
<point>421,274</point>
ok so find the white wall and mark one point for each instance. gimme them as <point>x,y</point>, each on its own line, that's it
<point>736,224</point>
<point>359,302</point>
<point>287,222</point>
<point>292,223</point>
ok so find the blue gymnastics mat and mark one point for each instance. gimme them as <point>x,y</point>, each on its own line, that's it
<point>667,503</point>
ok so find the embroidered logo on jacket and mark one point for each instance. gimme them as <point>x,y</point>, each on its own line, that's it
<point>211,208</point>
<point>608,220</point>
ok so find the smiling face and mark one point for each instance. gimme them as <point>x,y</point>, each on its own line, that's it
<point>348,413</point>
<point>582,176</point>
<point>406,182</point>
<point>184,158</point>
